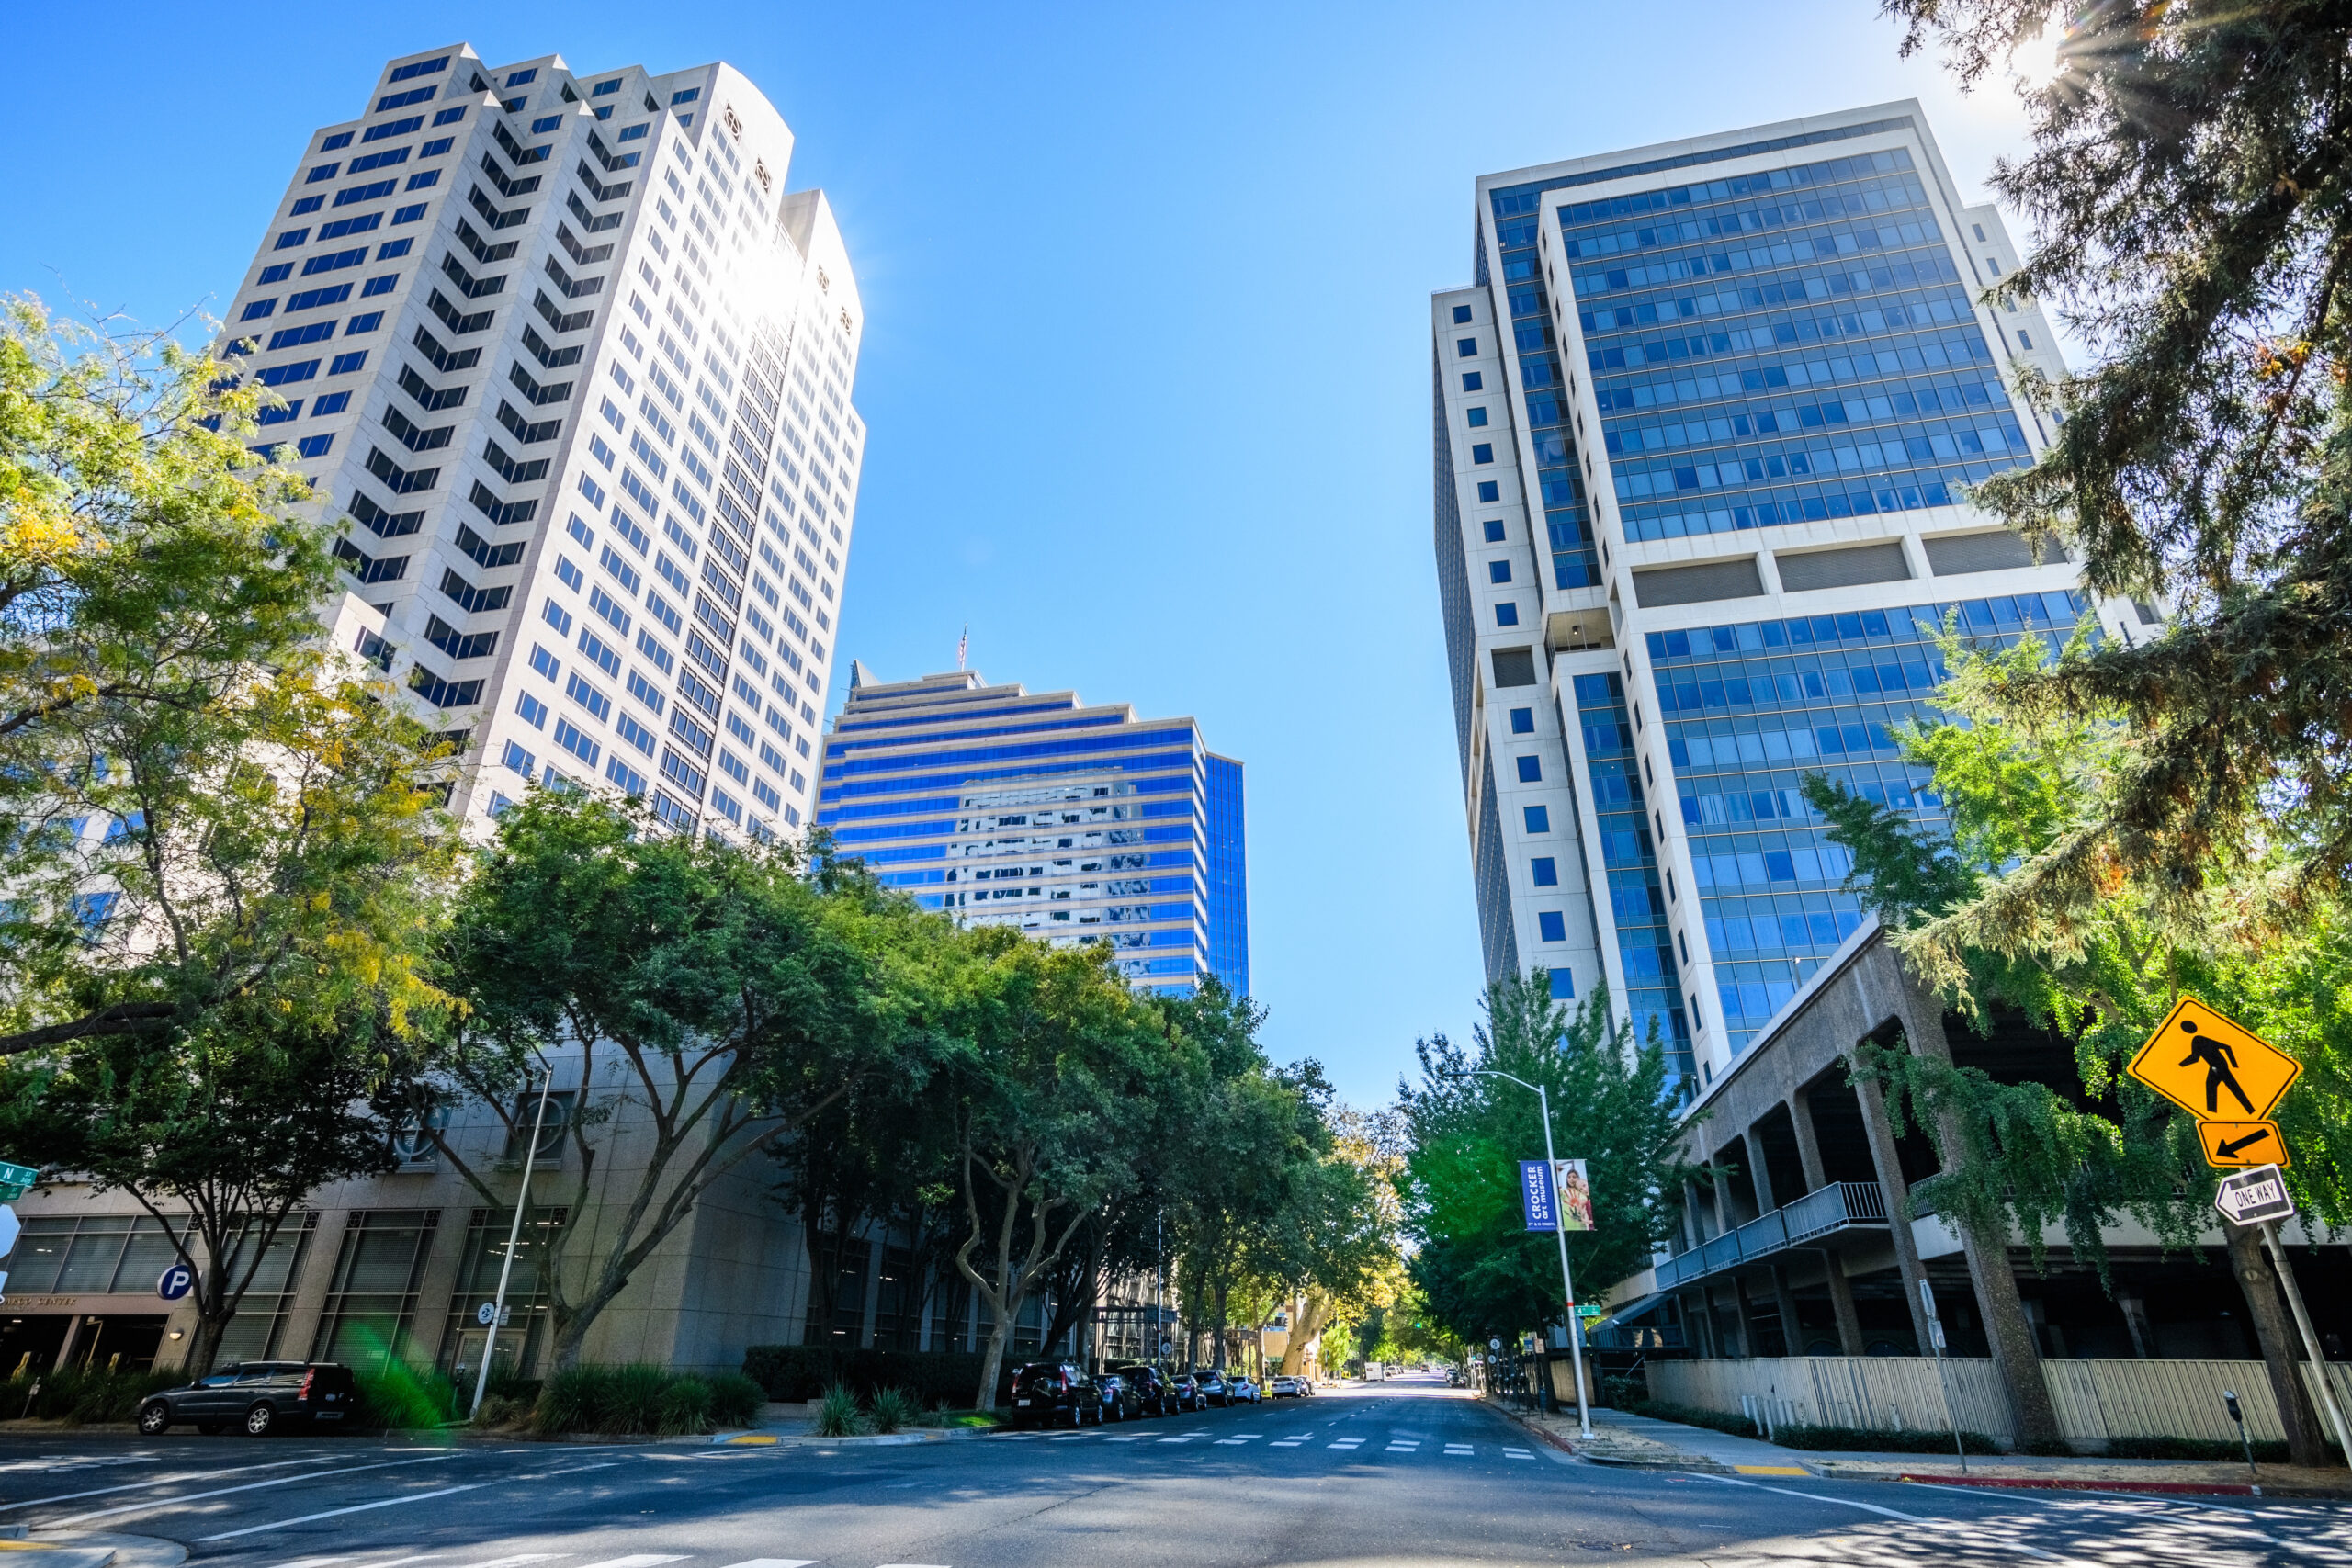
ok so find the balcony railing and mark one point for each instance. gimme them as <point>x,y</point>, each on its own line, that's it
<point>1840,1206</point>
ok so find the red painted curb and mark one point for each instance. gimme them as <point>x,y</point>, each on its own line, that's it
<point>2224,1488</point>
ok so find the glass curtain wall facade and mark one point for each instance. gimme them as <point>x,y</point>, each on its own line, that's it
<point>1704,423</point>
<point>1072,823</point>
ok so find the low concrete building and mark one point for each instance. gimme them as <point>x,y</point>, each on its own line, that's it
<point>1799,1247</point>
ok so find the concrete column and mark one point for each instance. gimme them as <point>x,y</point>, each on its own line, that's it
<point>1842,1300</point>
<point>2017,1355</point>
<point>1889,1166</point>
<point>1816,1174</point>
<point>299,1339</point>
<point>1761,1178</point>
<point>1792,1334</point>
<point>2135,1318</point>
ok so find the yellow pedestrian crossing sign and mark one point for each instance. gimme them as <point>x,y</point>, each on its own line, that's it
<point>2213,1068</point>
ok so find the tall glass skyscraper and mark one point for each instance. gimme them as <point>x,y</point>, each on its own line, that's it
<point>1072,823</point>
<point>1702,430</point>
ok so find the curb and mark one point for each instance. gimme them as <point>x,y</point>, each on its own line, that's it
<point>2162,1488</point>
<point>1567,1446</point>
<point>872,1439</point>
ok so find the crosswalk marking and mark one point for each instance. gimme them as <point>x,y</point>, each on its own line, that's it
<point>1458,1449</point>
<point>776,1562</point>
<point>1175,1440</point>
<point>640,1559</point>
<point>1516,1453</point>
<point>1131,1438</point>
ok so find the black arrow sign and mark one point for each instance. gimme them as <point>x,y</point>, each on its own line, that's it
<point>2228,1149</point>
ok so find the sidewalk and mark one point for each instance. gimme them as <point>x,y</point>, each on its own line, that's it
<point>1622,1439</point>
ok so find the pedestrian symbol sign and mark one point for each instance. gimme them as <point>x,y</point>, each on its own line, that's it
<point>2215,1070</point>
<point>2243,1143</point>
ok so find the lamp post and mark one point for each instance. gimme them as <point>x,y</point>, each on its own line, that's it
<point>1559,1231</point>
<point>513,1236</point>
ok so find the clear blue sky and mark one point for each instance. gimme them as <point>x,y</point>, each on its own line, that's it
<point>1147,362</point>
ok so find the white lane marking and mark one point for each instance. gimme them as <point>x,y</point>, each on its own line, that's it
<point>776,1562</point>
<point>323,1562</point>
<point>1175,1440</point>
<point>543,1475</point>
<point>1072,1437</point>
<point>355,1508</point>
<point>1817,1497</point>
<point>1134,1437</point>
<point>168,1480</point>
<point>517,1561</point>
<point>641,1560</point>
<point>248,1486</point>
<point>1288,1443</point>
<point>1459,1449</point>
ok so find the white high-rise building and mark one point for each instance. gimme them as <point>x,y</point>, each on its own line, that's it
<point>1700,429</point>
<point>577,368</point>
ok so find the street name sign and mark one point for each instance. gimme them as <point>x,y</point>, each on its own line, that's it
<point>2242,1144</point>
<point>2254,1197</point>
<point>2211,1068</point>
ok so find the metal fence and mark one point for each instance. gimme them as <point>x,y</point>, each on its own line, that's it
<point>2096,1399</point>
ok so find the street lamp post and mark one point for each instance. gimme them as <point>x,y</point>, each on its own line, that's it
<point>1560,1232</point>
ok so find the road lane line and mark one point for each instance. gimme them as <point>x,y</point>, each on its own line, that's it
<point>248,1486</point>
<point>641,1560</point>
<point>167,1480</point>
<point>1131,1438</point>
<point>776,1562</point>
<point>355,1508</point>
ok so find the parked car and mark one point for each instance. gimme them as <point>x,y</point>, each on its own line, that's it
<point>1120,1400</point>
<point>1212,1386</point>
<point>1242,1391</point>
<point>1153,1395</point>
<point>1307,1386</point>
<point>1047,1393</point>
<point>1282,1386</point>
<point>261,1397</point>
<point>1184,1392</point>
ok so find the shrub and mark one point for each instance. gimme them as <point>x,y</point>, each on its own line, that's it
<point>892,1409</point>
<point>633,1399</point>
<point>735,1400</point>
<point>502,1410</point>
<point>837,1417</point>
<point>398,1398</point>
<point>83,1395</point>
<point>573,1400</point>
<point>934,1378</point>
<point>684,1407</point>
<point>1857,1439</point>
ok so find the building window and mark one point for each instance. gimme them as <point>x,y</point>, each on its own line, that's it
<point>1546,871</point>
<point>1531,769</point>
<point>1551,925</point>
<point>2025,339</point>
<point>1498,571</point>
<point>92,1255</point>
<point>1490,490</point>
<point>371,1300</point>
<point>1682,942</point>
<point>1506,614</point>
<point>1474,381</point>
<point>254,1334</point>
<point>1522,721</point>
<point>1466,348</point>
<point>523,1340</point>
<point>1478,417</point>
<point>1460,315</point>
<point>1539,818</point>
<point>1563,985</point>
<point>1484,452</point>
<point>1494,526</point>
<point>1994,265</point>
<point>1980,229</point>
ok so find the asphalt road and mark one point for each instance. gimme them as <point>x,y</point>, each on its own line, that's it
<point>1402,1473</point>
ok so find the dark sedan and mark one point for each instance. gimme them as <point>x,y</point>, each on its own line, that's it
<point>1152,1394</point>
<point>261,1397</point>
<point>1047,1393</point>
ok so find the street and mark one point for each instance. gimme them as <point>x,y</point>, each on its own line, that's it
<point>1402,1473</point>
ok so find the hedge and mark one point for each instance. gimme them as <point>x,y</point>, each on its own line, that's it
<point>935,1377</point>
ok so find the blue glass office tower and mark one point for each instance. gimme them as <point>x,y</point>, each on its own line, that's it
<point>1703,430</point>
<point>1034,811</point>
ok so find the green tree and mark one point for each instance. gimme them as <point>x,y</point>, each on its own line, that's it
<point>724,995</point>
<point>2190,184</point>
<point>158,608</point>
<point>1480,1272</point>
<point>2085,1143</point>
<point>1063,1084</point>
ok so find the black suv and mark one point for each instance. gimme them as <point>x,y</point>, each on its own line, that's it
<point>1152,1393</point>
<point>1046,1393</point>
<point>260,1396</point>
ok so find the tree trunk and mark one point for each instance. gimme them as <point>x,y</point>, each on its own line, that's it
<point>205,1345</point>
<point>993,1360</point>
<point>2274,1330</point>
<point>1313,1312</point>
<point>1221,1290</point>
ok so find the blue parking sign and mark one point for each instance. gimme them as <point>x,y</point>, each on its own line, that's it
<point>1535,1195</point>
<point>177,1281</point>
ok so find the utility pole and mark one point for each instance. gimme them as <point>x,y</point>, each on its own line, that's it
<point>514,1235</point>
<point>1560,1233</point>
